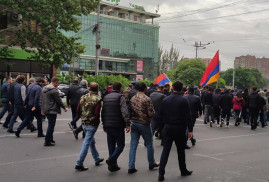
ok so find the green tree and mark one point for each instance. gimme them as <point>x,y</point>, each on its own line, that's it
<point>168,60</point>
<point>244,78</point>
<point>104,80</point>
<point>41,25</point>
<point>189,72</point>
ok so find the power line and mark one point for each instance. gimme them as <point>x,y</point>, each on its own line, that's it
<point>185,26</point>
<point>239,14</point>
<point>214,8</point>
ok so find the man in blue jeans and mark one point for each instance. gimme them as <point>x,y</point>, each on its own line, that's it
<point>142,113</point>
<point>115,118</point>
<point>33,107</point>
<point>4,92</point>
<point>89,107</point>
<point>51,104</point>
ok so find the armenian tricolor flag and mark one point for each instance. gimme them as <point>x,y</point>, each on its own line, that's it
<point>162,80</point>
<point>211,74</point>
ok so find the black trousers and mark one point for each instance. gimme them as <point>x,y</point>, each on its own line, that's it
<point>253,112</point>
<point>226,113</point>
<point>216,113</point>
<point>172,134</point>
<point>115,143</point>
<point>238,115</point>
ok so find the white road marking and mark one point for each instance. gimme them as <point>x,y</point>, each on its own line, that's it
<point>226,153</point>
<point>207,156</point>
<point>236,136</point>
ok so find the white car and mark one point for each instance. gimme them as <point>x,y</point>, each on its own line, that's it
<point>62,94</point>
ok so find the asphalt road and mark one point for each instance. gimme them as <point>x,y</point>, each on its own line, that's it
<point>234,154</point>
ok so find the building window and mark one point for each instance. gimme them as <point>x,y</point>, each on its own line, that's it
<point>3,21</point>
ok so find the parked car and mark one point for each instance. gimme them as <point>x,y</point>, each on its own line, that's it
<point>62,94</point>
<point>63,88</point>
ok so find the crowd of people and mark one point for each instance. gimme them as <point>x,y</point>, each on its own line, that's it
<point>167,113</point>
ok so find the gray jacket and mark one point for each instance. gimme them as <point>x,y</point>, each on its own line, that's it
<point>51,102</point>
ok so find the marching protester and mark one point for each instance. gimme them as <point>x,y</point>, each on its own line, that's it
<point>115,118</point>
<point>167,89</point>
<point>264,109</point>
<point>152,88</point>
<point>33,108</point>
<point>216,107</point>
<point>157,98</point>
<point>208,105</point>
<point>90,106</point>
<point>79,93</point>
<point>51,104</point>
<point>226,105</point>
<point>238,103</point>
<point>30,125</point>
<point>4,93</point>
<point>245,112</point>
<point>72,101</point>
<point>141,115</point>
<point>175,114</point>
<point>195,108</point>
<point>253,107</point>
<point>19,97</point>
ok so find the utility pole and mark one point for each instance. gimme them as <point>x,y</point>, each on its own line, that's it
<point>97,42</point>
<point>199,45</point>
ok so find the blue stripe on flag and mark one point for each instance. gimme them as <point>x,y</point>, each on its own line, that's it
<point>164,81</point>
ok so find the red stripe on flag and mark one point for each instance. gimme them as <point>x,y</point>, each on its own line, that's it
<point>160,78</point>
<point>212,65</point>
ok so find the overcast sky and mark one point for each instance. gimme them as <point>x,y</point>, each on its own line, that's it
<point>183,22</point>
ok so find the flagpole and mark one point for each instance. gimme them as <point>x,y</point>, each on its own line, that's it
<point>233,77</point>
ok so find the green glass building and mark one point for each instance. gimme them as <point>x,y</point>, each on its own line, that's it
<point>129,42</point>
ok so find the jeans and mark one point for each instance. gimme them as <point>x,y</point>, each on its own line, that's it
<point>137,130</point>
<point>29,114</point>
<point>18,111</point>
<point>173,133</point>
<point>115,143</point>
<point>4,110</point>
<point>51,125</point>
<point>89,142</point>
<point>208,112</point>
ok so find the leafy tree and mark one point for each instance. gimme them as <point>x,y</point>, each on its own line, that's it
<point>189,72</point>
<point>104,80</point>
<point>244,78</point>
<point>168,60</point>
<point>41,26</point>
<point>220,84</point>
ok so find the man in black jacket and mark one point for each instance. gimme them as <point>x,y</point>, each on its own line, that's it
<point>115,117</point>
<point>72,100</point>
<point>254,107</point>
<point>216,106</point>
<point>83,90</point>
<point>157,98</point>
<point>195,108</point>
<point>226,105</point>
<point>208,105</point>
<point>175,114</point>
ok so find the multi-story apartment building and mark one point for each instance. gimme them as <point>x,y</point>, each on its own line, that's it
<point>248,61</point>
